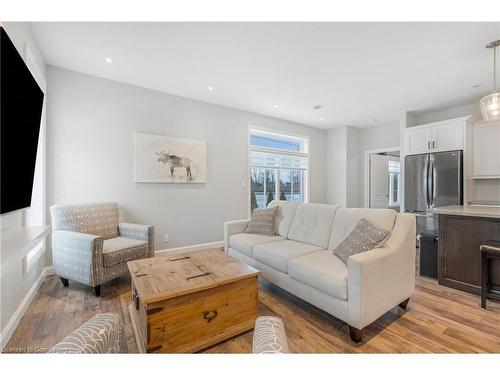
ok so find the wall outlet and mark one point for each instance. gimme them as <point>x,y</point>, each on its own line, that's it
<point>165,238</point>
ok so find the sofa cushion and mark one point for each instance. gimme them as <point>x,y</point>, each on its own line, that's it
<point>312,224</point>
<point>122,249</point>
<point>321,270</point>
<point>263,221</point>
<point>364,237</point>
<point>347,218</point>
<point>277,254</point>
<point>285,216</point>
<point>244,242</point>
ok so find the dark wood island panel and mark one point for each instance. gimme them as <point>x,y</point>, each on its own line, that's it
<point>459,259</point>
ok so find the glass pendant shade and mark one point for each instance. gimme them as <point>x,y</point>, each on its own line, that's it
<point>490,107</point>
<point>490,104</point>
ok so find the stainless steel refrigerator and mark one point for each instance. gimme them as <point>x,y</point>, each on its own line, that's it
<point>431,180</point>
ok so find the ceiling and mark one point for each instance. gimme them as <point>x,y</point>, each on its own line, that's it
<point>358,72</point>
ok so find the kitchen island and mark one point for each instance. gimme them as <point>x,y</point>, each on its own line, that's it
<point>462,229</point>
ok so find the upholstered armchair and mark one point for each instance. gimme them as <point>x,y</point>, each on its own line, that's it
<point>90,246</point>
<point>99,335</point>
<point>269,336</point>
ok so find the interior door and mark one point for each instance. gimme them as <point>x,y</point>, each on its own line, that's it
<point>379,181</point>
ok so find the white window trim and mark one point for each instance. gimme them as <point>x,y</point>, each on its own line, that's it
<point>305,154</point>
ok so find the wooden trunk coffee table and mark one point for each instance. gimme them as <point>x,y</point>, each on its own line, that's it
<point>185,302</point>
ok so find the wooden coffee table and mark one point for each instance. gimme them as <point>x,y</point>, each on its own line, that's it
<point>185,302</point>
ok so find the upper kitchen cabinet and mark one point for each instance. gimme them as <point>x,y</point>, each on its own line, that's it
<point>486,150</point>
<point>435,137</point>
<point>417,141</point>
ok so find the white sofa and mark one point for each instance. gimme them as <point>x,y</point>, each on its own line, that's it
<point>299,259</point>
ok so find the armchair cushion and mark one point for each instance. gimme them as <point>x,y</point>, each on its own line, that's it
<point>138,232</point>
<point>99,219</point>
<point>122,249</point>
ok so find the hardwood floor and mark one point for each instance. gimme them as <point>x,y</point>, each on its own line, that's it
<point>438,320</point>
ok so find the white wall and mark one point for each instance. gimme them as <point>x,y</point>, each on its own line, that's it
<point>336,166</point>
<point>15,284</point>
<point>434,115</point>
<point>354,188</point>
<point>91,125</point>
<point>342,166</point>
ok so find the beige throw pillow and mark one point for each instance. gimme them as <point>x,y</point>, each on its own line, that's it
<point>364,237</point>
<point>263,221</point>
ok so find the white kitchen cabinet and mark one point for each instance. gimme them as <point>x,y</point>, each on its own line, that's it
<point>436,137</point>
<point>486,150</point>
<point>448,137</point>
<point>417,141</point>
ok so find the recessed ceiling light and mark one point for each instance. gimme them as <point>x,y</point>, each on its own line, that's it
<point>321,119</point>
<point>109,60</point>
<point>276,106</point>
<point>210,88</point>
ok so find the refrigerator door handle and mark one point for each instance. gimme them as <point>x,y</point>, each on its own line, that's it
<point>426,178</point>
<point>433,182</point>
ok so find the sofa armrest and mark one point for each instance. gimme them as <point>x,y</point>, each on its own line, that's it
<point>100,334</point>
<point>77,256</point>
<point>233,227</point>
<point>138,232</point>
<point>380,279</point>
<point>269,336</point>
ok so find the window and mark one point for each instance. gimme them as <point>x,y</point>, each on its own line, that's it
<point>394,183</point>
<point>278,168</point>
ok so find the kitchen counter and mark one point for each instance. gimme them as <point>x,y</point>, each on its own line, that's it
<point>477,211</point>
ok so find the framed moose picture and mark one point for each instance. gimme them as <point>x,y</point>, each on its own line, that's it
<point>170,160</point>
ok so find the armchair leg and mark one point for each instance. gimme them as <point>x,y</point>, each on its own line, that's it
<point>97,290</point>
<point>355,334</point>
<point>404,304</point>
<point>64,281</point>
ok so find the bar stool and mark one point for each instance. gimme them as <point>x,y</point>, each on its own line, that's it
<point>489,250</point>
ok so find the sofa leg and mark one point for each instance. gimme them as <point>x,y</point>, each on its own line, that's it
<point>404,304</point>
<point>97,290</point>
<point>355,334</point>
<point>64,281</point>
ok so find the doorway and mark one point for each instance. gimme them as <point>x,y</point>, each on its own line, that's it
<point>383,179</point>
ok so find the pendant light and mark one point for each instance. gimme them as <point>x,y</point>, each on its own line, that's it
<point>490,104</point>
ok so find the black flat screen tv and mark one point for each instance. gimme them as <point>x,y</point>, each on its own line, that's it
<point>21,101</point>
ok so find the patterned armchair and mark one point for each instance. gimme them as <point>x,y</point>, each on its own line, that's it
<point>99,335</point>
<point>269,336</point>
<point>90,246</point>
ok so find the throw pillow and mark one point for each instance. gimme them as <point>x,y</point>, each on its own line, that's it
<point>263,221</point>
<point>364,237</point>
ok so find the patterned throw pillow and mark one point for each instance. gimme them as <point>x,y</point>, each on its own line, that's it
<point>364,237</point>
<point>263,221</point>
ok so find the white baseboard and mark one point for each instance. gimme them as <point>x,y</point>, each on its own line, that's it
<point>202,246</point>
<point>12,324</point>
